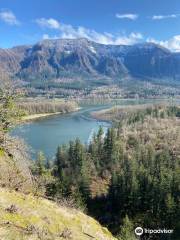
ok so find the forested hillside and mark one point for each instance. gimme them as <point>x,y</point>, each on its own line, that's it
<point>128,178</point>
<point>25,211</point>
<point>125,178</point>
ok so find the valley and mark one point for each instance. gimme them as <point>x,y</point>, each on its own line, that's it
<point>93,128</point>
<point>89,120</point>
<point>50,130</point>
<point>79,68</point>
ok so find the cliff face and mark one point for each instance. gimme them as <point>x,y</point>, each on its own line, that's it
<point>50,60</point>
<point>26,217</point>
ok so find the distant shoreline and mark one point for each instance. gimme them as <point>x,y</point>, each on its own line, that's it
<point>44,115</point>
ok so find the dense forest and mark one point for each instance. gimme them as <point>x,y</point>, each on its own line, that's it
<point>126,179</point>
<point>25,211</point>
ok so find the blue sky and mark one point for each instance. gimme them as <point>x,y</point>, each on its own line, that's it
<point>103,21</point>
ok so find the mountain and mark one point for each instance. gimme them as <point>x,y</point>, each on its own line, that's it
<point>81,59</point>
<point>151,60</point>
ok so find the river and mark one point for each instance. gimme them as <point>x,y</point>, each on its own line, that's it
<point>47,133</point>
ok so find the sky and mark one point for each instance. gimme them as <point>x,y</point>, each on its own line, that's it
<point>103,21</point>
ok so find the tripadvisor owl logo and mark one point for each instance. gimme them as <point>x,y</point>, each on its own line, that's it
<point>139,231</point>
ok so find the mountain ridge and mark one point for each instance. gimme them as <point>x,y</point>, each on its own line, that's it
<point>49,60</point>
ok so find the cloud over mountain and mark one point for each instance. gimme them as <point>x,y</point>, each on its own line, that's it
<point>48,23</point>
<point>71,32</point>
<point>173,43</point>
<point>9,17</point>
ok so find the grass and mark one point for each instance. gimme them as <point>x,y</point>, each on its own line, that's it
<point>37,116</point>
<point>43,115</point>
<point>37,218</point>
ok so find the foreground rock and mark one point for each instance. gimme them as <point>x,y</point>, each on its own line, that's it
<point>27,217</point>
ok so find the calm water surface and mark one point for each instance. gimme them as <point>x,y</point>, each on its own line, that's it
<point>46,134</point>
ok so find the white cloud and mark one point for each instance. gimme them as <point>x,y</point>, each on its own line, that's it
<point>8,17</point>
<point>68,31</point>
<point>129,16</point>
<point>48,23</point>
<point>172,44</point>
<point>47,36</point>
<point>130,39</point>
<point>160,17</point>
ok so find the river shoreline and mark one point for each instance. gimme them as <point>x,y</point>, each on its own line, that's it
<point>34,117</point>
<point>47,133</point>
<point>111,113</point>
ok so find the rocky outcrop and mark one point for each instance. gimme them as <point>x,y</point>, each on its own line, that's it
<point>49,60</point>
<point>27,217</point>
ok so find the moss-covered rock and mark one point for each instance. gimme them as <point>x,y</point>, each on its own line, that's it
<point>27,217</point>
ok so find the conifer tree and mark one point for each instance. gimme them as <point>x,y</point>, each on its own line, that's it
<point>40,164</point>
<point>127,230</point>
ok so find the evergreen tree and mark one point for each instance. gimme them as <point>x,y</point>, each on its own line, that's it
<point>40,164</point>
<point>127,230</point>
